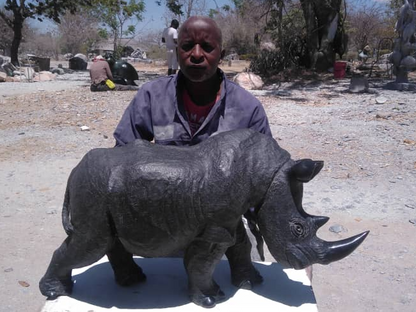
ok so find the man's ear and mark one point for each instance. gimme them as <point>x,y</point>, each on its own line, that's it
<point>222,56</point>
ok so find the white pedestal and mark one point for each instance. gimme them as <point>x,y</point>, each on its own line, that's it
<point>166,289</point>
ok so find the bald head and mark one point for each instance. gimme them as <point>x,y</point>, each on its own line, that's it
<point>201,22</point>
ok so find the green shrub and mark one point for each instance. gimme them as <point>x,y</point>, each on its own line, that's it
<point>247,57</point>
<point>268,63</point>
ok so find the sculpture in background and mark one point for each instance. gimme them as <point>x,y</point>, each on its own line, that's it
<point>153,201</point>
<point>405,45</point>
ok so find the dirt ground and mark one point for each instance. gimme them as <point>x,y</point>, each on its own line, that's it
<point>368,182</point>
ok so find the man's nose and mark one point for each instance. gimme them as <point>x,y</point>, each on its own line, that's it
<point>197,56</point>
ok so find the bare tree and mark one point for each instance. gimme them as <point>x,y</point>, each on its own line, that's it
<point>23,9</point>
<point>183,9</point>
<point>40,44</point>
<point>240,24</point>
<point>367,24</point>
<point>78,32</point>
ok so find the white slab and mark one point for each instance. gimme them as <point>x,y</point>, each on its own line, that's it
<point>166,289</point>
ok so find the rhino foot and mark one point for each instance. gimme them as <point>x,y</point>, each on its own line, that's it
<point>53,288</point>
<point>132,277</point>
<point>247,281</point>
<point>208,301</point>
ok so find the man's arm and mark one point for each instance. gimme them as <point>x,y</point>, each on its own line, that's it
<point>259,121</point>
<point>108,71</point>
<point>136,122</point>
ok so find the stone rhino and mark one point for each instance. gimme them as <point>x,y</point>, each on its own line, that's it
<point>152,200</point>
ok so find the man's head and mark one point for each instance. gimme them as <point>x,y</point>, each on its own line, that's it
<point>199,48</point>
<point>174,24</point>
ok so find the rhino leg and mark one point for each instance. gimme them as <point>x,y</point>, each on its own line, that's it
<point>75,252</point>
<point>126,271</point>
<point>201,258</point>
<point>243,273</point>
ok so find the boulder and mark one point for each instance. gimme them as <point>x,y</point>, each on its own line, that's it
<point>77,63</point>
<point>44,76</point>
<point>3,77</point>
<point>359,85</point>
<point>249,81</point>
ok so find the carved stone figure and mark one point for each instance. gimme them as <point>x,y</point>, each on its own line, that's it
<point>152,200</point>
<point>123,72</point>
<point>405,45</point>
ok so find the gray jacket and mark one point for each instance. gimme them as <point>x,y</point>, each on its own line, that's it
<point>156,112</point>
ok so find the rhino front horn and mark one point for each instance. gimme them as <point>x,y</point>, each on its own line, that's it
<point>334,251</point>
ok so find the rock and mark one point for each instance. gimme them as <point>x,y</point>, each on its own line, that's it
<point>381,100</point>
<point>77,63</point>
<point>81,56</point>
<point>58,71</point>
<point>358,85</point>
<point>412,221</point>
<point>44,76</point>
<point>337,228</point>
<point>85,128</point>
<point>249,81</point>
<point>3,77</point>
<point>268,46</point>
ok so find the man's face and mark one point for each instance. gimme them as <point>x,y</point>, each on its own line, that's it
<point>199,50</point>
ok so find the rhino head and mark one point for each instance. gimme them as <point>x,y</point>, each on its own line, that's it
<point>289,232</point>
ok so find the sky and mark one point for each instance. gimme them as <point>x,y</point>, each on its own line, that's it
<point>154,19</point>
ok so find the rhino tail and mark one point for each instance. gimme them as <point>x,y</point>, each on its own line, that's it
<point>66,218</point>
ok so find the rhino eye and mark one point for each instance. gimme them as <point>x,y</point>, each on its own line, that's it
<point>297,229</point>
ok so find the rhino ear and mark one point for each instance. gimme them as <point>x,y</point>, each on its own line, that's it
<point>306,169</point>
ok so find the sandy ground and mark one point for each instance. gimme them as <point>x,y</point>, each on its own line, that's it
<point>368,183</point>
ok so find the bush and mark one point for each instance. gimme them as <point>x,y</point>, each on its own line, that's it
<point>268,63</point>
<point>247,57</point>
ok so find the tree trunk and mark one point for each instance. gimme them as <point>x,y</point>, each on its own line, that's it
<point>17,38</point>
<point>321,18</point>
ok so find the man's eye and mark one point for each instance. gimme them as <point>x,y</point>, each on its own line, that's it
<point>207,47</point>
<point>187,46</point>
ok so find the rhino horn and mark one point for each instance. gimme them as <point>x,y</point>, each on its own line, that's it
<point>319,221</point>
<point>306,169</point>
<point>334,251</point>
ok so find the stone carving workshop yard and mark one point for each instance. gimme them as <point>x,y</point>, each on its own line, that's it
<point>367,140</point>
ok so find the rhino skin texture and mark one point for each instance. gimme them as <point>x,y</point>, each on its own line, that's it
<point>153,201</point>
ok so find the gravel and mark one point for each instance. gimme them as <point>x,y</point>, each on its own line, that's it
<point>368,182</point>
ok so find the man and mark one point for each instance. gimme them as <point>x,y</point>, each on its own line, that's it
<point>199,101</point>
<point>170,37</point>
<point>100,72</point>
<point>187,108</point>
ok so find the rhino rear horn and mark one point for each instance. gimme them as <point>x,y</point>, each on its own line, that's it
<point>306,169</point>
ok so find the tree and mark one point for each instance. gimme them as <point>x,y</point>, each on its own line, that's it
<point>325,33</point>
<point>239,24</point>
<point>6,36</point>
<point>78,32</point>
<point>23,9</point>
<point>114,14</point>
<point>183,9</point>
<point>368,24</point>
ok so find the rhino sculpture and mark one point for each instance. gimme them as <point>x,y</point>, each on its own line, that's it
<point>152,201</point>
